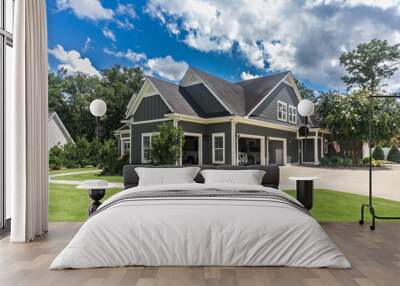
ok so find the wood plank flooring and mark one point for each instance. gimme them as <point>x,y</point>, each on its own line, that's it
<point>375,257</point>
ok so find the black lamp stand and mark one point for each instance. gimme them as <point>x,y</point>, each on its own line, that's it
<point>370,197</point>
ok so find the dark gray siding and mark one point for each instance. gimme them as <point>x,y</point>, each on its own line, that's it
<point>136,138</point>
<point>203,101</point>
<point>198,128</point>
<point>292,150</point>
<point>319,148</point>
<point>268,109</point>
<point>151,107</point>
<point>309,156</point>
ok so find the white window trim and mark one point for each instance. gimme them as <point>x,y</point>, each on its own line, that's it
<point>284,140</point>
<point>151,134</point>
<point>262,145</point>
<point>285,113</point>
<point>200,146</point>
<point>223,148</point>
<point>291,107</point>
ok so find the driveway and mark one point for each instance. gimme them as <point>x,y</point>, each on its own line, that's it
<point>386,181</point>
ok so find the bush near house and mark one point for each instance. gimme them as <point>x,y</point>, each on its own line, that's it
<point>167,144</point>
<point>378,153</point>
<point>394,154</point>
<point>375,163</point>
<point>336,161</point>
<point>56,159</point>
<point>109,161</point>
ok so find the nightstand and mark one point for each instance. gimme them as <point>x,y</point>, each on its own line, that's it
<point>97,190</point>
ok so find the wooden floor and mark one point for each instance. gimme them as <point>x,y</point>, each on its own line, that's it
<point>375,257</point>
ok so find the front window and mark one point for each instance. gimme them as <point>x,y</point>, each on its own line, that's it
<point>146,147</point>
<point>292,114</point>
<point>282,111</point>
<point>218,148</point>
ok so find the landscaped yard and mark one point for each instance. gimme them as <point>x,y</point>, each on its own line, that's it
<point>91,176</point>
<point>67,203</point>
<point>61,171</point>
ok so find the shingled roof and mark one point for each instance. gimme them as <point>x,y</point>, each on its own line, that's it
<point>170,92</point>
<point>240,97</point>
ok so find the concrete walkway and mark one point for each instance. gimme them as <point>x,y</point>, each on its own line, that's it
<point>386,181</point>
<point>72,182</point>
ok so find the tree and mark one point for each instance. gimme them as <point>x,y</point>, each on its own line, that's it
<point>370,64</point>
<point>305,92</point>
<point>56,159</point>
<point>346,117</point>
<point>394,154</point>
<point>378,153</point>
<point>167,144</point>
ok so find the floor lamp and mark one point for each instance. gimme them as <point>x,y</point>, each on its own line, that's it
<point>98,108</point>
<point>305,109</point>
<point>370,201</point>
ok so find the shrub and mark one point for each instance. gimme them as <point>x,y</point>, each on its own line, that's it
<point>336,161</point>
<point>71,159</point>
<point>109,158</point>
<point>86,152</point>
<point>166,146</point>
<point>394,154</point>
<point>56,157</point>
<point>375,163</point>
<point>378,153</point>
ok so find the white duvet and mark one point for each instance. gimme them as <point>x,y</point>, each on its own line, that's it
<point>200,231</point>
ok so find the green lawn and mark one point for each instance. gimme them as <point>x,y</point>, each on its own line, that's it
<point>91,176</point>
<point>61,171</point>
<point>66,203</point>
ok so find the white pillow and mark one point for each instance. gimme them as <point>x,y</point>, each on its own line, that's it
<point>166,176</point>
<point>247,177</point>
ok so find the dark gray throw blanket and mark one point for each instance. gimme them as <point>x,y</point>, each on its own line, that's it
<point>205,193</point>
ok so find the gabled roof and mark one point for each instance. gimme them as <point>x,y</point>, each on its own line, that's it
<point>54,115</point>
<point>255,89</point>
<point>232,95</point>
<point>170,92</point>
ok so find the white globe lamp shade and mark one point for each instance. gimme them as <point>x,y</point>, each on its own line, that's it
<point>98,107</point>
<point>305,107</point>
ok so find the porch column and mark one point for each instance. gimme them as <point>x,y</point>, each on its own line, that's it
<point>316,161</point>
<point>233,143</point>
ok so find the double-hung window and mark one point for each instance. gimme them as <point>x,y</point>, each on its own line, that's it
<point>218,148</point>
<point>146,147</point>
<point>292,114</point>
<point>282,111</point>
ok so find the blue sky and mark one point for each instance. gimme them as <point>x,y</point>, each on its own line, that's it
<point>233,39</point>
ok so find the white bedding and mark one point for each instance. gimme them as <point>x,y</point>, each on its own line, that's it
<point>200,231</point>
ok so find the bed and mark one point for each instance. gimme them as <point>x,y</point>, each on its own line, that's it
<point>201,224</point>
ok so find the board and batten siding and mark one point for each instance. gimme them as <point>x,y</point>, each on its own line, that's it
<point>292,145</point>
<point>151,107</point>
<point>269,107</point>
<point>136,139</point>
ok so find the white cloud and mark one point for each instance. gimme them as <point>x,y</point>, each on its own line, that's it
<point>128,54</point>
<point>90,9</point>
<point>306,37</point>
<point>87,46</point>
<point>246,75</point>
<point>126,9</point>
<point>167,68</point>
<point>109,34</point>
<point>73,62</point>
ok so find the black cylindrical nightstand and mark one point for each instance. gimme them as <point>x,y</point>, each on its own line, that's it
<point>305,190</point>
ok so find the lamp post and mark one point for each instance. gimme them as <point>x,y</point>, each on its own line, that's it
<point>306,109</point>
<point>98,108</point>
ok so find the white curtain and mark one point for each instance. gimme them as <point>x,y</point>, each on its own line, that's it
<point>26,124</point>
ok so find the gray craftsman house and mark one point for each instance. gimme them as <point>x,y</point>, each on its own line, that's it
<point>245,123</point>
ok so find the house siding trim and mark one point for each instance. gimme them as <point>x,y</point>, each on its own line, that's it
<point>262,145</point>
<point>213,136</point>
<point>284,140</point>
<point>200,148</point>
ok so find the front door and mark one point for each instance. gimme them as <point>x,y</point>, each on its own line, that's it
<point>190,150</point>
<point>276,152</point>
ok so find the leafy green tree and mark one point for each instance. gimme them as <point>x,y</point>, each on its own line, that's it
<point>166,145</point>
<point>378,153</point>
<point>86,152</point>
<point>346,117</point>
<point>394,154</point>
<point>305,92</point>
<point>370,64</point>
<point>70,154</point>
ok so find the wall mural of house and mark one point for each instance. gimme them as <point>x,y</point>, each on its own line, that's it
<point>244,123</point>
<point>57,133</point>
